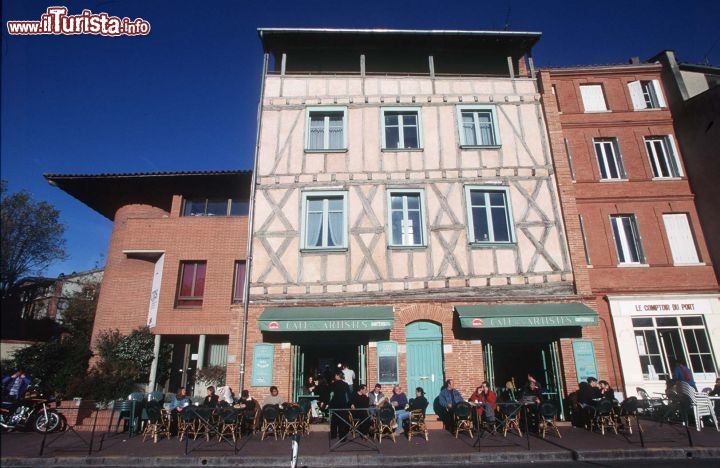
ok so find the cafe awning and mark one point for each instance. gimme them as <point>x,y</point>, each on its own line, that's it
<point>326,319</point>
<point>526,315</point>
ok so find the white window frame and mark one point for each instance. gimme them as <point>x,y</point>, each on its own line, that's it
<point>326,110</point>
<point>325,219</point>
<point>593,97</point>
<point>667,161</point>
<point>509,219</point>
<point>626,237</point>
<point>477,109</point>
<point>401,128</point>
<point>646,94</point>
<point>607,153</point>
<point>407,228</point>
<point>680,237</point>
<point>665,356</point>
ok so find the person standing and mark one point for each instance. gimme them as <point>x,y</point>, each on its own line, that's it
<point>339,400</point>
<point>681,372</point>
<point>348,376</point>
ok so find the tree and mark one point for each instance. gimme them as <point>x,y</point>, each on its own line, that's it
<point>59,362</point>
<point>32,237</point>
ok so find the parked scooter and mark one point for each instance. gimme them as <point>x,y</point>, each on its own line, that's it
<point>33,412</point>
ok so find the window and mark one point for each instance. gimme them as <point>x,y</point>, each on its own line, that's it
<point>646,94</point>
<point>326,129</point>
<point>215,207</point>
<point>609,158</point>
<point>593,98</point>
<point>192,284</point>
<point>660,340</point>
<point>682,243</point>
<point>239,282</point>
<point>663,157</point>
<point>489,215</point>
<point>324,219</point>
<point>407,227</point>
<point>627,239</point>
<point>401,128</point>
<point>478,126</point>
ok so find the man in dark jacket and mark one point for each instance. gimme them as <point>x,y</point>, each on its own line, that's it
<point>339,399</point>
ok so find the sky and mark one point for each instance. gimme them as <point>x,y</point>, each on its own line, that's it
<point>184,97</point>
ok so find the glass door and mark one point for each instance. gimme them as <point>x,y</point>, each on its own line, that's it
<point>298,381</point>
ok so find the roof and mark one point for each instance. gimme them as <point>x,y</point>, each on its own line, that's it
<point>106,193</point>
<point>278,38</point>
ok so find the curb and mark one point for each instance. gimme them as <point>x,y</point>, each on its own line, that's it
<point>363,460</point>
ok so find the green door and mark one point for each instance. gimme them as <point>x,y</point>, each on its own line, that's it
<point>424,359</point>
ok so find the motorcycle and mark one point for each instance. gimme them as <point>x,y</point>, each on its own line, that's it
<point>33,412</point>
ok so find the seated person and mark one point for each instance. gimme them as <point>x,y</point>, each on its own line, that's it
<point>486,401</point>
<point>531,397</point>
<point>419,402</point>
<point>225,396</point>
<point>180,400</point>
<point>248,405</point>
<point>399,401</point>
<point>377,398</point>
<point>447,399</point>
<point>211,400</point>
<point>358,404</point>
<point>606,391</point>
<point>273,398</point>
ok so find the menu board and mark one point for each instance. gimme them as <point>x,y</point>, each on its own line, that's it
<point>262,367</point>
<point>585,364</point>
<point>387,362</point>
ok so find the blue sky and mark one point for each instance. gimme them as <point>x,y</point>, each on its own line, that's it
<point>184,97</point>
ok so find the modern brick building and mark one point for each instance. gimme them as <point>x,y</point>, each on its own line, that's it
<point>407,219</point>
<point>176,261</point>
<point>632,221</point>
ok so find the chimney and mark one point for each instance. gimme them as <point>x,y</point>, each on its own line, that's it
<point>634,60</point>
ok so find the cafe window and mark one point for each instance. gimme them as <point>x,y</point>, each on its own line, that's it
<point>661,340</point>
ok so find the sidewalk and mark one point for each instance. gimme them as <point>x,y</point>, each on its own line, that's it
<point>118,450</point>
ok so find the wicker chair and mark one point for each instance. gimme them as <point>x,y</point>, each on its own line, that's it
<point>462,413</point>
<point>416,425</point>
<point>385,423</point>
<point>270,421</point>
<point>158,422</point>
<point>548,419</point>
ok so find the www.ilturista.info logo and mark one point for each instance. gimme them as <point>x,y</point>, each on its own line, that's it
<point>57,21</point>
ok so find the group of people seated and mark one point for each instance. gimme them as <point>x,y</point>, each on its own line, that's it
<point>485,401</point>
<point>585,400</point>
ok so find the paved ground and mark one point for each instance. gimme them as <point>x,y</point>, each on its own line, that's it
<point>110,449</point>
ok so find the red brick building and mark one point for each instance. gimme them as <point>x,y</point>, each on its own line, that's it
<point>176,261</point>
<point>632,222</point>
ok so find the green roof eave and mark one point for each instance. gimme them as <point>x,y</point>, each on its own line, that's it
<point>526,315</point>
<point>312,319</point>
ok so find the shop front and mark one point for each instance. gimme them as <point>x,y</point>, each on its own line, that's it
<point>315,340</point>
<point>653,331</point>
<point>526,339</point>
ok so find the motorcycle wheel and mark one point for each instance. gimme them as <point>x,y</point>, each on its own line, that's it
<point>51,425</point>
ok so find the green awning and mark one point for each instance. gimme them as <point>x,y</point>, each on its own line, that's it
<point>526,315</point>
<point>314,319</point>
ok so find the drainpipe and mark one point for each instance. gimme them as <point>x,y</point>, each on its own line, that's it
<point>251,220</point>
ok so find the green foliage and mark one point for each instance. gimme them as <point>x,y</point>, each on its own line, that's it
<point>58,363</point>
<point>31,237</point>
<point>211,375</point>
<point>124,361</point>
